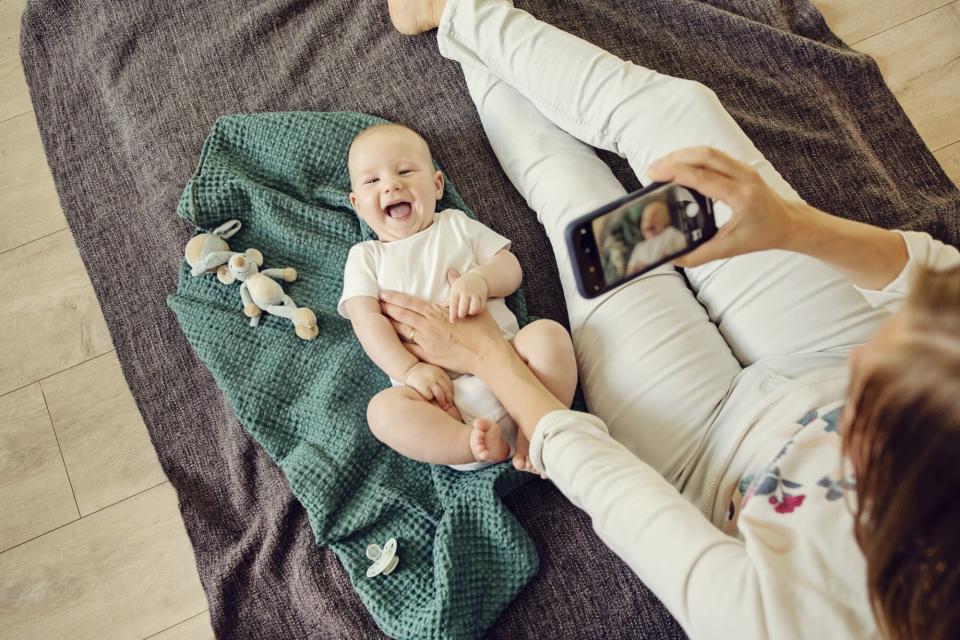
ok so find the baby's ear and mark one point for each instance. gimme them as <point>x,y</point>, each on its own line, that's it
<point>353,200</point>
<point>438,182</point>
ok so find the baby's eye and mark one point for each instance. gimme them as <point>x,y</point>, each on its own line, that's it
<point>403,171</point>
<point>371,180</point>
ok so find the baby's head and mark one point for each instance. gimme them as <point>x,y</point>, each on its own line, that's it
<point>656,218</point>
<point>394,186</point>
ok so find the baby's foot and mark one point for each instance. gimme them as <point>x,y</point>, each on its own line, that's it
<point>411,17</point>
<point>487,442</point>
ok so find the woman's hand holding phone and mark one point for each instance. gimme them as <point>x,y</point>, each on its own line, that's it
<point>761,218</point>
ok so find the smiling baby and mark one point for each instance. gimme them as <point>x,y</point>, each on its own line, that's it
<point>430,414</point>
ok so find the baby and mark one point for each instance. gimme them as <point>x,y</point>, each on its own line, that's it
<point>433,415</point>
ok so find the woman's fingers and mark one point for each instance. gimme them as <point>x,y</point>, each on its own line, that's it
<point>404,315</point>
<point>397,299</point>
<point>707,157</point>
<point>704,179</point>
<point>402,330</point>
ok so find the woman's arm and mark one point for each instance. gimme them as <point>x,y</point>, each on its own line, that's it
<point>472,345</point>
<point>869,256</point>
<point>704,577</point>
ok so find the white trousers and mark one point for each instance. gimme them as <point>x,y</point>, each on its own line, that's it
<point>658,361</point>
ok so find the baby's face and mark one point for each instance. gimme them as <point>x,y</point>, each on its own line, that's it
<point>395,187</point>
<point>656,218</point>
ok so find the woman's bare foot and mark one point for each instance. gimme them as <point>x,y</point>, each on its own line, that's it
<point>411,17</point>
<point>487,442</point>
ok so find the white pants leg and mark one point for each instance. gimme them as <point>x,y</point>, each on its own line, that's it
<point>765,304</point>
<point>652,364</point>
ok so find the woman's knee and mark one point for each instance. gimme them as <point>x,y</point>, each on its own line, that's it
<point>687,109</point>
<point>698,95</point>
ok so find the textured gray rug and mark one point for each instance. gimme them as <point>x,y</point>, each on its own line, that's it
<point>124,94</point>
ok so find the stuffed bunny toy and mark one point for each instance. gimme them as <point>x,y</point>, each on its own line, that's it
<point>207,251</point>
<point>259,292</point>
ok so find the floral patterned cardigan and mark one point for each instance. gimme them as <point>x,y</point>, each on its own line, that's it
<point>776,556</point>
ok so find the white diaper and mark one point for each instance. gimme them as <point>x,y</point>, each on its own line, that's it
<point>474,399</point>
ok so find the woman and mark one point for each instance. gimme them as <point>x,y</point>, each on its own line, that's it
<point>725,409</point>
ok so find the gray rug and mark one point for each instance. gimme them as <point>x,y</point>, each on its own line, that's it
<point>124,94</point>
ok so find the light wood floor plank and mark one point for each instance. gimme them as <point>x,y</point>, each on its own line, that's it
<point>35,495</point>
<point>124,572</point>
<point>197,628</point>
<point>29,207</point>
<point>14,96</point>
<point>104,442</point>
<point>50,318</point>
<point>920,61</point>
<point>949,158</point>
<point>854,20</point>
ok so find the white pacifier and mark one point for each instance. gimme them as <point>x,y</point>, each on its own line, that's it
<point>384,560</point>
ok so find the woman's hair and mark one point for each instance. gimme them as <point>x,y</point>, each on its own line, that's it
<point>904,436</point>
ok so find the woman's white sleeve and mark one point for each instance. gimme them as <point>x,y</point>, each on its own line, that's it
<point>924,251</point>
<point>704,577</point>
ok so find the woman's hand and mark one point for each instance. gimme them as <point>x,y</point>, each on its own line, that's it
<point>761,218</point>
<point>869,256</point>
<point>432,338</point>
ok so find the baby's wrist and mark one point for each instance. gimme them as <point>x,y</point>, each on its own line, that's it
<point>409,371</point>
<point>476,272</point>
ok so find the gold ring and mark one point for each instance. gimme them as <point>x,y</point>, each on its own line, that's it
<point>413,335</point>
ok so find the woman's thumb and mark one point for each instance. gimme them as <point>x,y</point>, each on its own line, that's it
<point>452,275</point>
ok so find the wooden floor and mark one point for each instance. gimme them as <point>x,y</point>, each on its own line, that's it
<point>91,541</point>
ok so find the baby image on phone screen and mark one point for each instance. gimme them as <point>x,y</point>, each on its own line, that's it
<point>636,237</point>
<point>660,237</point>
<point>431,414</point>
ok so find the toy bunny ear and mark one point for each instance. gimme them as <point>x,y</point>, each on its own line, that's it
<point>227,229</point>
<point>255,255</point>
<point>225,276</point>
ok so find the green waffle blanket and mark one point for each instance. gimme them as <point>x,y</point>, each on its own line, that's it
<point>462,555</point>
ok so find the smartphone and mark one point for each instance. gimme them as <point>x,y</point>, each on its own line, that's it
<point>637,233</point>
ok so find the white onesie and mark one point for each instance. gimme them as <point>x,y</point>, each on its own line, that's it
<point>418,265</point>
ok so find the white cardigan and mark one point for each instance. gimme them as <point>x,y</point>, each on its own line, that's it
<point>792,568</point>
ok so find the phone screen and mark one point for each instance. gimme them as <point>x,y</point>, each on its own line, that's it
<point>637,233</point>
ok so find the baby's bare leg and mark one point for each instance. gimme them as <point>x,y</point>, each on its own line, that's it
<point>400,418</point>
<point>547,349</point>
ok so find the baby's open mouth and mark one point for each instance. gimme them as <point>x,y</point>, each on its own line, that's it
<point>399,210</point>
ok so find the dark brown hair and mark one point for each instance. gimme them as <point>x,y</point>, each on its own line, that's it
<point>904,438</point>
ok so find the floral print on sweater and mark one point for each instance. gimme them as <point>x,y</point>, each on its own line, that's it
<point>784,492</point>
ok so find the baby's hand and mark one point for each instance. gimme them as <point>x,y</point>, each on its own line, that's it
<point>431,382</point>
<point>468,295</point>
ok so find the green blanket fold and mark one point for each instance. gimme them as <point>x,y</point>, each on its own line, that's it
<point>463,556</point>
